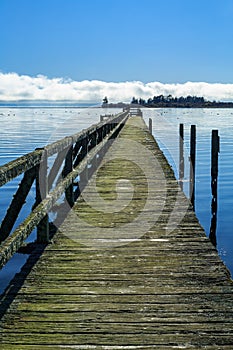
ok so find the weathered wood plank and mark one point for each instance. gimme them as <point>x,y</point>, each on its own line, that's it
<point>110,347</point>
<point>174,339</point>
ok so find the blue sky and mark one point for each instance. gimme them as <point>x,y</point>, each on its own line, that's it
<point>171,42</point>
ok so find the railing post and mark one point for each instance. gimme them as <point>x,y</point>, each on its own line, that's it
<point>77,153</point>
<point>181,159</point>
<point>101,133</point>
<point>41,193</point>
<point>150,125</point>
<point>96,143</point>
<point>192,165</point>
<point>84,147</point>
<point>215,149</point>
<point>68,168</point>
<point>89,145</point>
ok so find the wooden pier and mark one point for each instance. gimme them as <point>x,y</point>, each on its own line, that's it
<point>109,280</point>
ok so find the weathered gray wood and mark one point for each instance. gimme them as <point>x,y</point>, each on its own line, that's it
<point>41,194</point>
<point>17,167</point>
<point>68,168</point>
<point>192,165</point>
<point>215,148</point>
<point>181,152</point>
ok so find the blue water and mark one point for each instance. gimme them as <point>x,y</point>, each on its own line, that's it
<point>24,129</point>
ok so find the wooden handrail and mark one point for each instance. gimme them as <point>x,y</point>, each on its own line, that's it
<point>18,166</point>
<point>92,139</point>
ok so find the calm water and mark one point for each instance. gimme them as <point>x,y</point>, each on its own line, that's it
<point>24,129</point>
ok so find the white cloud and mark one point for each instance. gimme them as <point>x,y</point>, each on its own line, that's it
<point>23,87</point>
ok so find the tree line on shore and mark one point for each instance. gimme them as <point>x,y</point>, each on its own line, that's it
<point>187,102</point>
<point>172,102</point>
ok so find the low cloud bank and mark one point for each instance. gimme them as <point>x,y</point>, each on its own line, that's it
<point>14,87</point>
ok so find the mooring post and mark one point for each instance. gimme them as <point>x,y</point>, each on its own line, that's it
<point>181,159</point>
<point>215,149</point>
<point>192,165</point>
<point>150,125</point>
<point>41,193</point>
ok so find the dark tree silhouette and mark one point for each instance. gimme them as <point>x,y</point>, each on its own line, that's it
<point>186,102</point>
<point>105,100</point>
<point>134,101</point>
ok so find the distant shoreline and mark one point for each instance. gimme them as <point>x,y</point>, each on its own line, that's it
<point>204,105</point>
<point>218,105</point>
<point>111,106</point>
<point>48,104</point>
<point>48,107</point>
<point>169,101</point>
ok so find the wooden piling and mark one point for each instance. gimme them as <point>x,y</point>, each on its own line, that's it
<point>214,185</point>
<point>192,165</point>
<point>181,159</point>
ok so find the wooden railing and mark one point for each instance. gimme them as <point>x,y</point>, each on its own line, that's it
<point>72,157</point>
<point>135,112</point>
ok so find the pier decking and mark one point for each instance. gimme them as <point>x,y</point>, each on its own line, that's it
<point>130,267</point>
